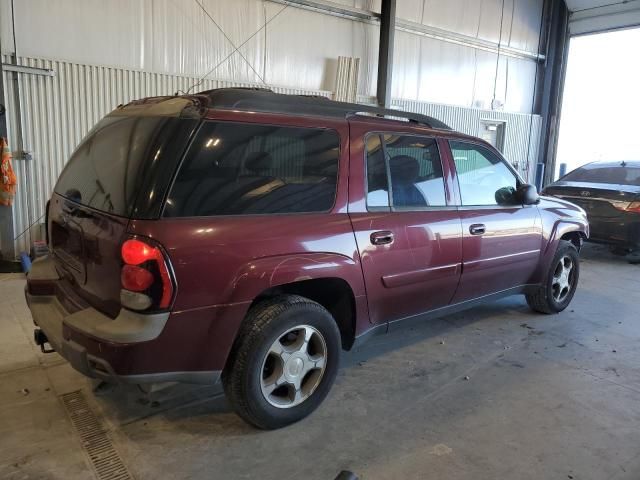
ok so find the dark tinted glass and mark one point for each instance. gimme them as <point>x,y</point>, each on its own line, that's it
<point>611,174</point>
<point>377,180</point>
<point>416,171</point>
<point>122,158</point>
<point>483,177</point>
<point>415,168</point>
<point>236,169</point>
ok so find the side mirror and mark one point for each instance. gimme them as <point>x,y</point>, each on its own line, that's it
<point>527,194</point>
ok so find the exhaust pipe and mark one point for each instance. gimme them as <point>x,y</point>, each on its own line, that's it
<point>41,339</point>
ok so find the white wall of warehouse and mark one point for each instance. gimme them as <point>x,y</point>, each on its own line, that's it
<point>299,48</point>
<point>106,52</point>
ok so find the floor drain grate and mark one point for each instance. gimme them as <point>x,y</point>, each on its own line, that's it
<point>95,440</point>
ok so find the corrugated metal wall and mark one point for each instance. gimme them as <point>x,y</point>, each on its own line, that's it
<point>58,111</point>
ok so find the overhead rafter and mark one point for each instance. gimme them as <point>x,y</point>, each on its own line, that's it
<point>612,16</point>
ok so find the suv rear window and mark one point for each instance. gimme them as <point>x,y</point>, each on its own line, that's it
<point>125,163</point>
<point>241,168</point>
<point>600,174</point>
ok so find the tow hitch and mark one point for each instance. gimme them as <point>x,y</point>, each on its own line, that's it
<point>41,339</point>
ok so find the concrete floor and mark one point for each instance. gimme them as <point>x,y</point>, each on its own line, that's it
<point>547,397</point>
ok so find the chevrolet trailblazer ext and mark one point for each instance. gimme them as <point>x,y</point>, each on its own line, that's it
<point>248,236</point>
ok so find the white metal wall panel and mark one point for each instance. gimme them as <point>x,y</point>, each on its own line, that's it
<point>525,25</point>
<point>310,40</point>
<point>480,19</point>
<point>476,18</point>
<point>298,47</point>
<point>433,71</point>
<point>168,36</point>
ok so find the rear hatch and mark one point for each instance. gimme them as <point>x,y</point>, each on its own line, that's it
<point>121,170</point>
<point>599,200</point>
<point>611,209</point>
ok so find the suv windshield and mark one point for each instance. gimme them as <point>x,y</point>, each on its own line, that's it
<point>123,164</point>
<point>605,174</point>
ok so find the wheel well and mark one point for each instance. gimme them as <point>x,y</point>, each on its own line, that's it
<point>575,237</point>
<point>334,294</point>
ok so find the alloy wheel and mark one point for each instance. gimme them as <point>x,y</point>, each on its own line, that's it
<point>293,366</point>
<point>563,279</point>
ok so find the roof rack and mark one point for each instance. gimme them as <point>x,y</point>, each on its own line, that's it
<point>265,100</point>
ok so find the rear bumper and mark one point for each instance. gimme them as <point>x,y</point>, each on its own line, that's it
<point>67,332</point>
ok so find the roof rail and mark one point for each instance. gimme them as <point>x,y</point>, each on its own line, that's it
<point>392,114</point>
<point>265,100</point>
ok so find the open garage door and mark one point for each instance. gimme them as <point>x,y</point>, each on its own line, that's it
<point>601,101</point>
<point>593,16</point>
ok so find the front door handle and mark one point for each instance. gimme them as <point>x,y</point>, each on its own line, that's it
<point>477,229</point>
<point>384,237</point>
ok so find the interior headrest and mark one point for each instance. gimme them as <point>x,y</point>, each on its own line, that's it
<point>404,168</point>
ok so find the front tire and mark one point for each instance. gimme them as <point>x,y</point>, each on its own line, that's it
<point>560,283</point>
<point>283,363</point>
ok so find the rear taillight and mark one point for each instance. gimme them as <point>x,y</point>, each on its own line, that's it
<point>136,279</point>
<point>146,280</point>
<point>633,207</point>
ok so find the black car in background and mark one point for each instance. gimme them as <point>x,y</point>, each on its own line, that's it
<point>610,194</point>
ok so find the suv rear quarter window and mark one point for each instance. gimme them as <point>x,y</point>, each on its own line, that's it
<point>241,169</point>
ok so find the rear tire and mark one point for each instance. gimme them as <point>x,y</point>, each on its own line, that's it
<point>634,257</point>
<point>283,363</point>
<point>560,283</point>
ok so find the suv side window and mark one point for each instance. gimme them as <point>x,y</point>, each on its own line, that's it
<point>483,177</point>
<point>407,165</point>
<point>242,168</point>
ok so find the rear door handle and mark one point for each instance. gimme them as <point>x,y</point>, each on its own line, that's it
<point>477,229</point>
<point>384,237</point>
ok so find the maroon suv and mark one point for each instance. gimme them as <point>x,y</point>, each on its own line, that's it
<point>248,236</point>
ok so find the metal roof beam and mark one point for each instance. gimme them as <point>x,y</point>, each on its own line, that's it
<point>605,18</point>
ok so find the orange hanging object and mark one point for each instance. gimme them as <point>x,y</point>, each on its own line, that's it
<point>8,181</point>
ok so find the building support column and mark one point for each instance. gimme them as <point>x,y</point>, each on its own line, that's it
<point>385,52</point>
<point>549,101</point>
